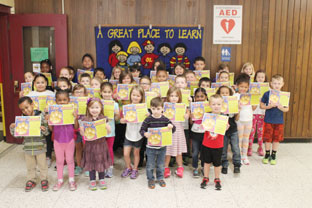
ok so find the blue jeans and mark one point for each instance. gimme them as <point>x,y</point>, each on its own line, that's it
<point>155,156</point>
<point>196,147</point>
<point>233,139</point>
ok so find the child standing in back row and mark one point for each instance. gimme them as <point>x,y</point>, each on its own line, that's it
<point>273,121</point>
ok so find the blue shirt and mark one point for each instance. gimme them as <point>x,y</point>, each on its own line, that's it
<point>132,59</point>
<point>273,115</point>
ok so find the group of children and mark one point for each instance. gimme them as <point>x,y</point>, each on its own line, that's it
<point>188,137</point>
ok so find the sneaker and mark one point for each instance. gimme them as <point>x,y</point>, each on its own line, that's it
<point>273,162</point>
<point>72,186</point>
<point>49,162</point>
<point>265,160</point>
<point>151,184</point>
<point>162,183</point>
<point>92,186</point>
<point>57,186</point>
<point>236,169</point>
<point>179,172</point>
<point>126,172</point>
<point>109,172</point>
<point>44,185</point>
<point>260,151</point>
<point>217,184</point>
<point>102,185</point>
<point>29,186</point>
<point>78,170</point>
<point>134,174</point>
<point>86,173</point>
<point>245,161</point>
<point>195,173</point>
<point>224,170</point>
<point>204,183</point>
<point>249,152</point>
<point>167,172</point>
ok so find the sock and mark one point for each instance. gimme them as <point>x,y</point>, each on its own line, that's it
<point>71,180</point>
<point>60,180</point>
<point>273,155</point>
<point>267,154</point>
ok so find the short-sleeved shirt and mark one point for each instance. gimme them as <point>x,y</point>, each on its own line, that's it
<point>273,115</point>
<point>111,122</point>
<point>213,140</point>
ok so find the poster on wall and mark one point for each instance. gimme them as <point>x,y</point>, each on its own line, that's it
<point>227,24</point>
<point>142,45</point>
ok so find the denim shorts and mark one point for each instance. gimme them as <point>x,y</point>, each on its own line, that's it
<point>79,138</point>
<point>137,144</point>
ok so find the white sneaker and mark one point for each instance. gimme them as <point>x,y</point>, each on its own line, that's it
<point>245,161</point>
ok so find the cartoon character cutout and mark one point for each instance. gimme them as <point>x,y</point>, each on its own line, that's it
<point>114,47</point>
<point>164,49</point>
<point>180,58</point>
<point>134,50</point>
<point>149,58</point>
<point>122,59</point>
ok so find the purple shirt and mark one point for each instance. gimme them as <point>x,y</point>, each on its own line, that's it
<point>63,133</point>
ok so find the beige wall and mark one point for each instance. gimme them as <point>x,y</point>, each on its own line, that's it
<point>9,3</point>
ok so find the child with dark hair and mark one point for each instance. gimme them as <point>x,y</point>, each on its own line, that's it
<point>199,63</point>
<point>34,147</point>
<point>87,62</point>
<point>100,73</point>
<point>180,49</point>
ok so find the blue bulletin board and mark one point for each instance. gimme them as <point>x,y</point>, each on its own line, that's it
<point>125,46</point>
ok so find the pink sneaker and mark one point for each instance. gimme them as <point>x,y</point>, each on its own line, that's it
<point>57,186</point>
<point>72,186</point>
<point>249,153</point>
<point>260,151</point>
<point>179,172</point>
<point>167,172</point>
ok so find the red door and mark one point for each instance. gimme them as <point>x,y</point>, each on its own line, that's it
<point>26,31</point>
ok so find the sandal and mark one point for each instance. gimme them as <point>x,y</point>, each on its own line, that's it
<point>30,185</point>
<point>162,183</point>
<point>151,184</point>
<point>44,185</point>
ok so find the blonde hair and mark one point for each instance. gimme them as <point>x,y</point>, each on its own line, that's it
<point>97,79</point>
<point>215,96</point>
<point>246,65</point>
<point>113,72</point>
<point>140,90</point>
<point>278,77</point>
<point>172,90</point>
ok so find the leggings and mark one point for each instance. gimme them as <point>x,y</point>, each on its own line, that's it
<point>244,129</point>
<point>64,151</point>
<point>92,175</point>
<point>257,125</point>
<point>110,144</point>
<point>49,146</point>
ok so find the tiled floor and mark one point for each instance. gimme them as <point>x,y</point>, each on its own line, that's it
<point>288,184</point>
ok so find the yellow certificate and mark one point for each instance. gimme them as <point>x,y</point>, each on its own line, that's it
<point>40,102</point>
<point>255,99</point>
<point>135,113</point>
<point>114,83</point>
<point>27,126</point>
<point>80,72</point>
<point>230,105</point>
<point>26,88</point>
<point>161,88</point>
<point>264,87</point>
<point>109,108</point>
<point>192,85</point>
<point>148,97</point>
<point>123,91</point>
<point>80,104</point>
<point>175,111</point>
<point>94,92</point>
<point>186,94</point>
<point>202,73</point>
<point>232,75</point>
<point>215,123</point>
<point>160,137</point>
<point>50,100</point>
<point>61,114</point>
<point>94,130</point>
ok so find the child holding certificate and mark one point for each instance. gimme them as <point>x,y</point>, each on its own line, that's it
<point>133,138</point>
<point>63,84</point>
<point>211,151</point>
<point>231,136</point>
<point>96,157</point>
<point>273,121</point>
<point>178,138</point>
<point>64,143</point>
<point>34,147</point>
<point>155,154</point>
<point>107,95</point>
<point>197,132</point>
<point>40,84</point>
<point>258,119</point>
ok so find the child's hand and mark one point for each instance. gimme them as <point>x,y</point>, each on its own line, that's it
<point>147,135</point>
<point>81,131</point>
<point>108,128</point>
<point>21,94</point>
<point>46,117</point>
<point>190,99</point>
<point>43,128</point>
<point>75,114</point>
<point>147,114</point>
<point>123,121</point>
<point>227,126</point>
<point>170,126</point>
<point>12,125</point>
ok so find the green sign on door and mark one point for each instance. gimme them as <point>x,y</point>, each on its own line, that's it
<point>39,54</point>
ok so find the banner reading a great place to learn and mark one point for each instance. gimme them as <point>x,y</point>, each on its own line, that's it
<point>142,45</point>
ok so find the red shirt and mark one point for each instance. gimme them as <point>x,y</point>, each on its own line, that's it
<point>148,59</point>
<point>213,140</point>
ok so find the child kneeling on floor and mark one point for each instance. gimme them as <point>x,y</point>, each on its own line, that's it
<point>155,154</point>
<point>34,147</point>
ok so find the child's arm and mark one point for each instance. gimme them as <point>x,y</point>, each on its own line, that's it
<point>76,124</point>
<point>171,126</point>
<point>108,128</point>
<point>266,107</point>
<point>254,107</point>
<point>282,108</point>
<point>44,125</point>
<point>144,127</point>
<point>12,128</point>
<point>187,114</point>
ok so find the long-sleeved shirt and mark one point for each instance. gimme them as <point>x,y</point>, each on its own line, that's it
<point>151,122</point>
<point>36,145</point>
